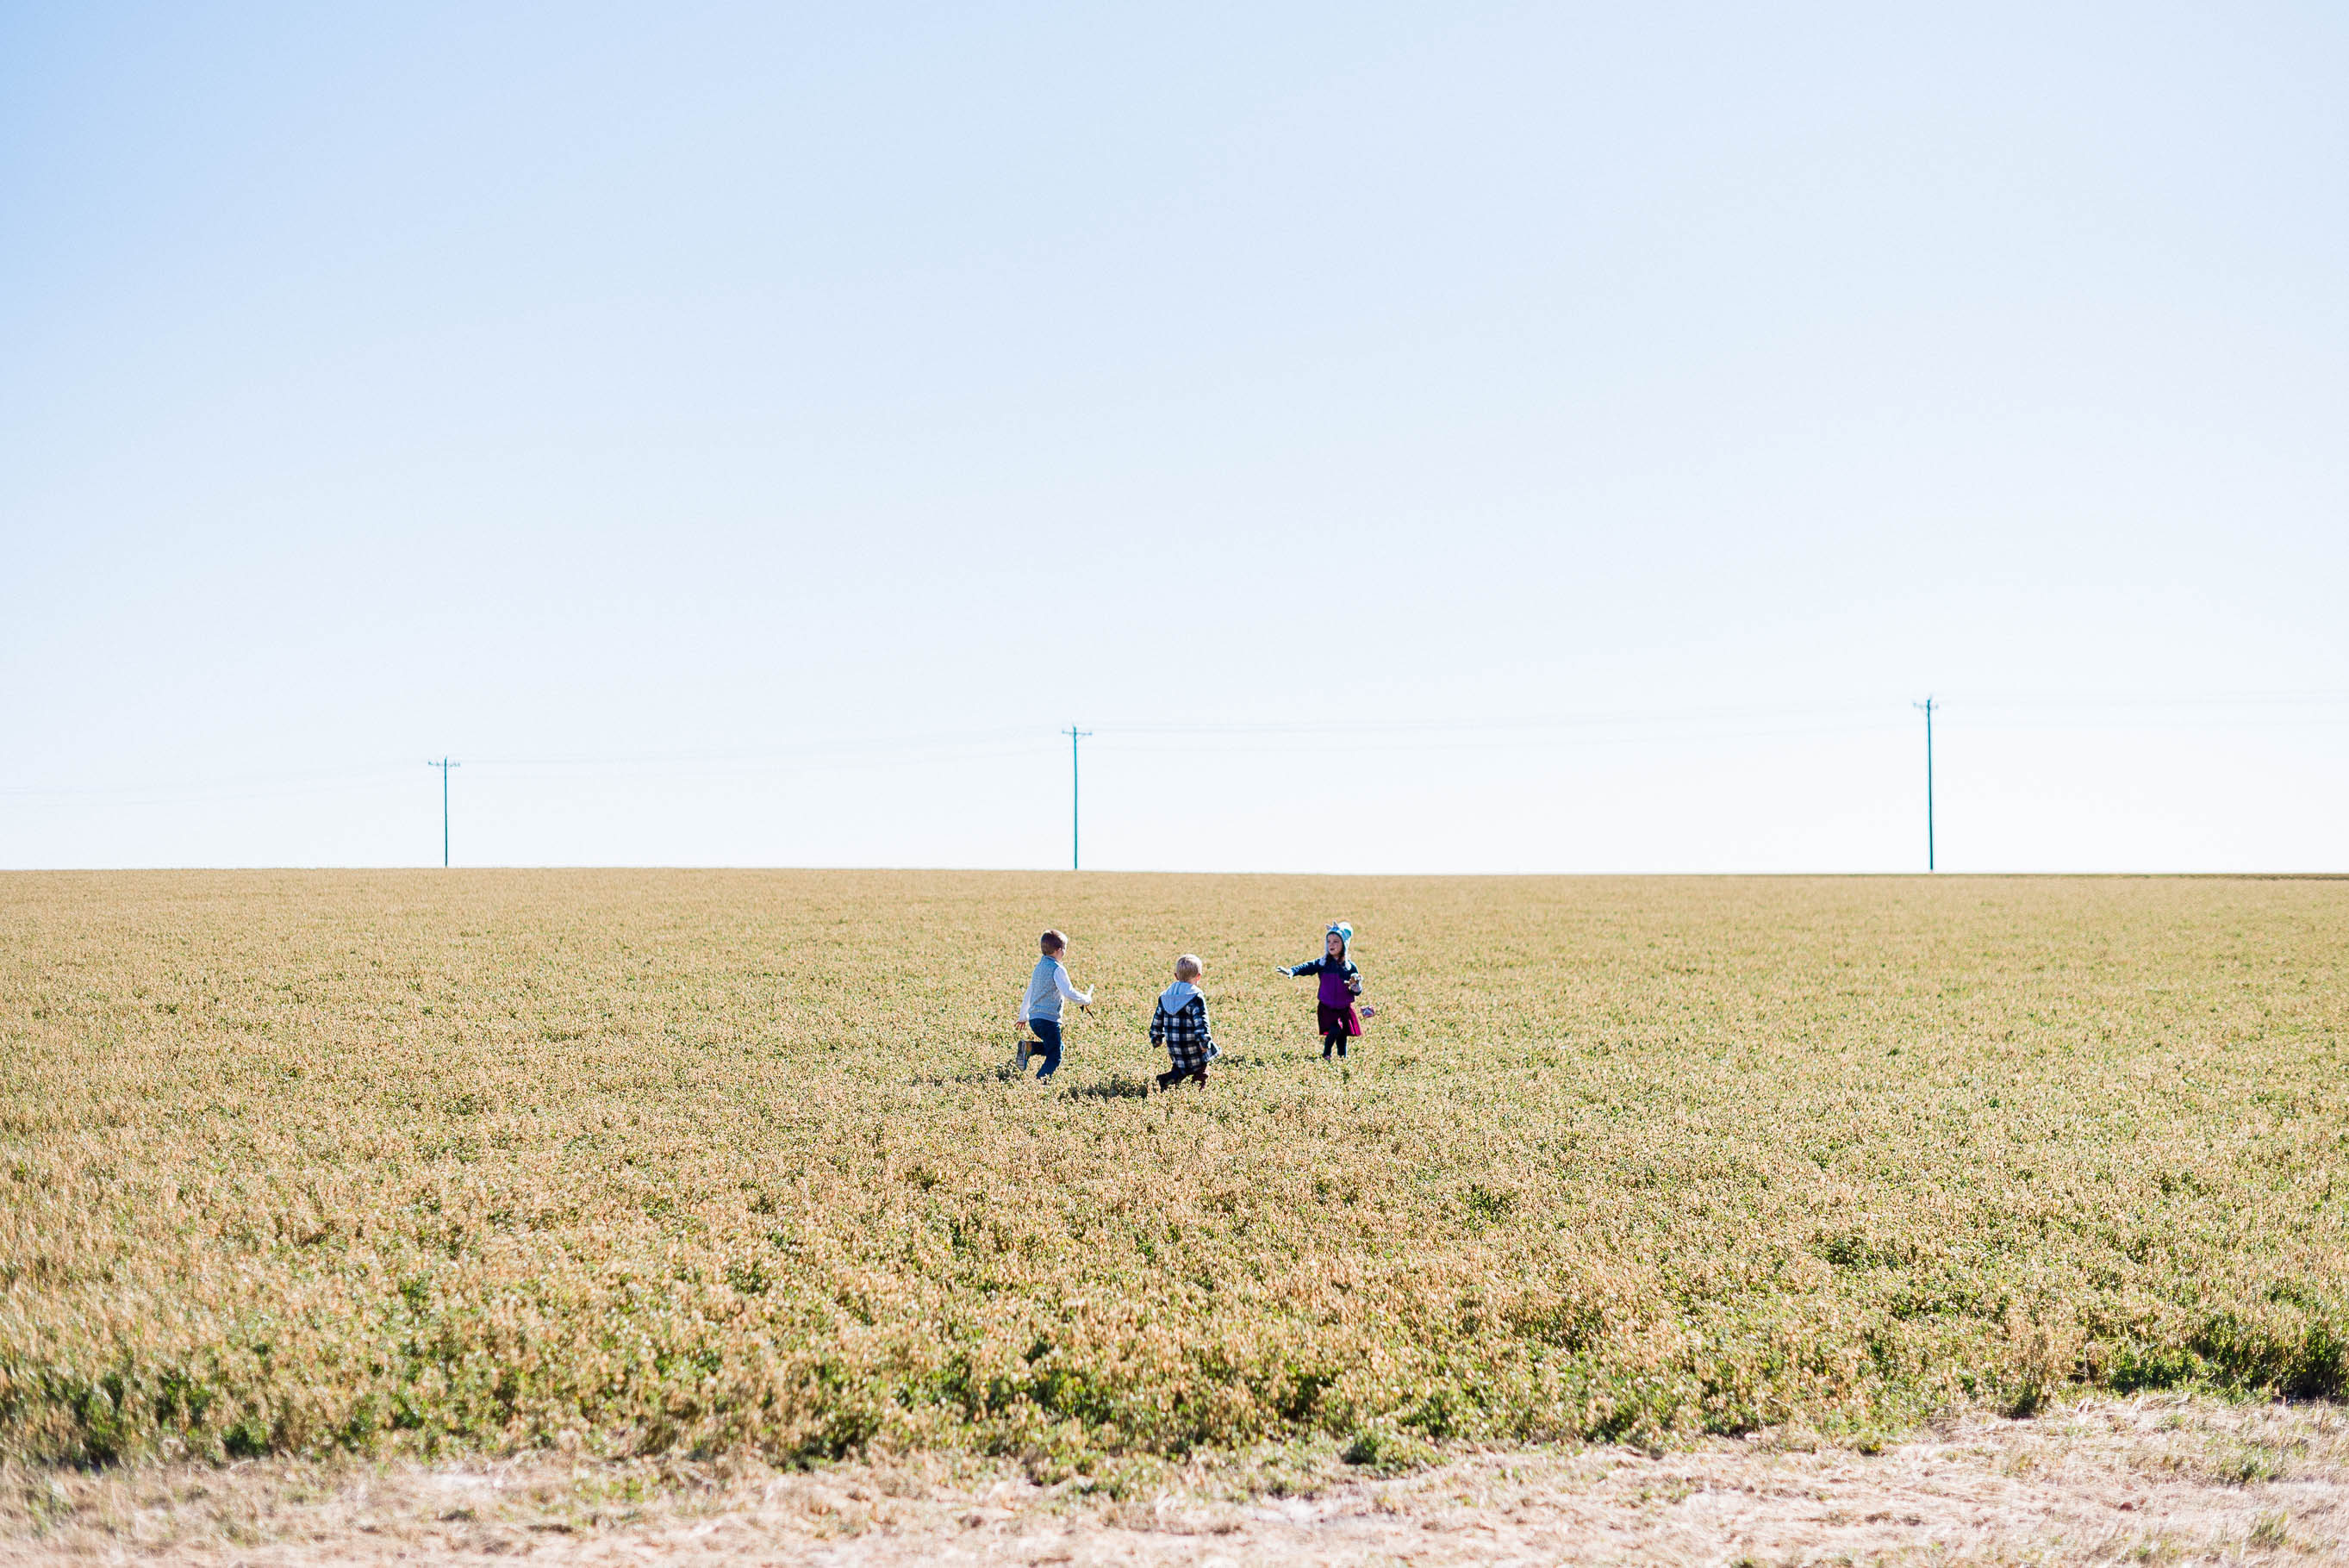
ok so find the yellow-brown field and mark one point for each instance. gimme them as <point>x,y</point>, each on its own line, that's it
<point>630,1162</point>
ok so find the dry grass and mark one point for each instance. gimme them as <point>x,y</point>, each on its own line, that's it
<point>2160,1478</point>
<point>721,1165</point>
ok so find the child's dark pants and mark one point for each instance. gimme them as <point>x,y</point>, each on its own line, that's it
<point>1048,1039</point>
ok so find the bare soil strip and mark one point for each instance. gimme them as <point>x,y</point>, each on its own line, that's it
<point>2166,1480</point>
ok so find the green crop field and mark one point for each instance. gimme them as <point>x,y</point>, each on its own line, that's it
<point>725,1161</point>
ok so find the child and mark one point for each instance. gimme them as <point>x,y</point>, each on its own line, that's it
<point>1046,988</point>
<point>1180,1025</point>
<point>1341,983</point>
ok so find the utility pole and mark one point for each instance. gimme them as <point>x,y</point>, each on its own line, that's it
<point>444,765</point>
<point>1927,708</point>
<point>1074,735</point>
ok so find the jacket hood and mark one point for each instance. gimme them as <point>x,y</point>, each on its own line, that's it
<point>1177,997</point>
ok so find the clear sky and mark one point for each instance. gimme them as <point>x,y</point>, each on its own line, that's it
<point>1453,437</point>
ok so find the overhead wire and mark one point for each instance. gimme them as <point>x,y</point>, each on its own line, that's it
<point>1151,736</point>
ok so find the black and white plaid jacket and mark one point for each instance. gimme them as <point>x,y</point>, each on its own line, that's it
<point>1184,1032</point>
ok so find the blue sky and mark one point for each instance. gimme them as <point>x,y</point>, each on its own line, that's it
<point>1454,438</point>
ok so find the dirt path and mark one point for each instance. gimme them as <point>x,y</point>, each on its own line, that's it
<point>2155,1480</point>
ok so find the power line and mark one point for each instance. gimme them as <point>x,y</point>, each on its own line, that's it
<point>2299,710</point>
<point>1269,743</point>
<point>2316,698</point>
<point>1487,722</point>
<point>1773,712</point>
<point>937,739</point>
<point>242,787</point>
<point>2263,709</point>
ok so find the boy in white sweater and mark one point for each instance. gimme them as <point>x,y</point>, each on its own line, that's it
<point>1046,989</point>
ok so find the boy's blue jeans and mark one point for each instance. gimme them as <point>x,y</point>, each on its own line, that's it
<point>1048,1037</point>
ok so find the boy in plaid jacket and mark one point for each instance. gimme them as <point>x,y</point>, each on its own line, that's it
<point>1180,1025</point>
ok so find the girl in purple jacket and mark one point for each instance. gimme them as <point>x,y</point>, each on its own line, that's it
<point>1333,1009</point>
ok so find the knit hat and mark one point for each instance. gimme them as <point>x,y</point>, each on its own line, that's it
<point>1345,933</point>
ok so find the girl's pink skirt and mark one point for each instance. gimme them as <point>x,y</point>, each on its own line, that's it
<point>1338,1020</point>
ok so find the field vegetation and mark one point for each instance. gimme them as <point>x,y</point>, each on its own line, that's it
<point>726,1163</point>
